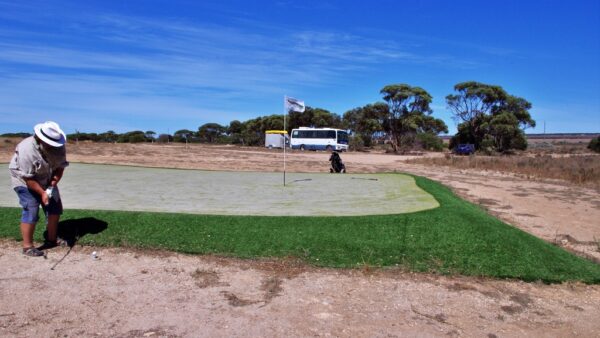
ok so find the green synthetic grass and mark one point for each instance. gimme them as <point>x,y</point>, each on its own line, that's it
<point>456,238</point>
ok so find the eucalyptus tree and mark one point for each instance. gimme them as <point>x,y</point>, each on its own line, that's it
<point>408,115</point>
<point>235,131</point>
<point>150,135</point>
<point>489,117</point>
<point>366,121</point>
<point>183,135</point>
<point>210,132</point>
<point>313,117</point>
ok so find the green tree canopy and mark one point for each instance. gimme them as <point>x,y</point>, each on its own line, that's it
<point>235,131</point>
<point>183,135</point>
<point>272,122</point>
<point>77,136</point>
<point>367,120</point>
<point>132,137</point>
<point>489,117</point>
<point>150,134</point>
<point>253,132</point>
<point>313,117</point>
<point>594,144</point>
<point>210,132</point>
<point>408,115</point>
<point>109,136</point>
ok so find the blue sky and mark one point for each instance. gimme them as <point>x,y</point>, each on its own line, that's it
<point>95,66</point>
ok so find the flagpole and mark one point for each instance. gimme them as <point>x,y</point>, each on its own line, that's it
<point>289,103</point>
<point>284,113</point>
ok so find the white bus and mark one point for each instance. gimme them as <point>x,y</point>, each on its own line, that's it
<point>328,139</point>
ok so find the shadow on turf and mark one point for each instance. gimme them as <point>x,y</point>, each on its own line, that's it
<point>72,230</point>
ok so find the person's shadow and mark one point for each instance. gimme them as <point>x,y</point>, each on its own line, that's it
<point>72,230</point>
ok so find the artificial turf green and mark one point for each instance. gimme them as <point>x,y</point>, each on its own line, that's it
<point>456,238</point>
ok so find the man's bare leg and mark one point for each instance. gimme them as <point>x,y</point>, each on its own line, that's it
<point>52,227</point>
<point>27,233</point>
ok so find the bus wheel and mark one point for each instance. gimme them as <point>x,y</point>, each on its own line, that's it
<point>302,147</point>
<point>328,148</point>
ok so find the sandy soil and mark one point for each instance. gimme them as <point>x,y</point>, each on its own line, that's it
<point>129,293</point>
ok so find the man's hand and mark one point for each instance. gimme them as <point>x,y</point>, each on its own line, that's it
<point>45,198</point>
<point>56,176</point>
<point>37,188</point>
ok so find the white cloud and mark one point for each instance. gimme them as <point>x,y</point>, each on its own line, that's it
<point>112,68</point>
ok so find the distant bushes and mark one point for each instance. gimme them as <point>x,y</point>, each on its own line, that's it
<point>132,137</point>
<point>21,135</point>
<point>595,144</point>
<point>356,143</point>
<point>430,141</point>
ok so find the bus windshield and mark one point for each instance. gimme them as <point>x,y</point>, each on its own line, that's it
<point>342,137</point>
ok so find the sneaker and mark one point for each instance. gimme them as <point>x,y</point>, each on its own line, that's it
<point>32,252</point>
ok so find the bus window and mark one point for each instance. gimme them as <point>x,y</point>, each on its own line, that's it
<point>342,137</point>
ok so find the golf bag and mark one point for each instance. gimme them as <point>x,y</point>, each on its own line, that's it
<point>337,165</point>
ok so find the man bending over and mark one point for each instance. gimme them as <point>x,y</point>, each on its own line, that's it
<point>36,168</point>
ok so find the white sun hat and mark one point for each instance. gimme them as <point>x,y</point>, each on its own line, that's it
<point>50,133</point>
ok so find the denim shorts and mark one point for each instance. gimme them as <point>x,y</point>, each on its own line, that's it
<point>30,202</point>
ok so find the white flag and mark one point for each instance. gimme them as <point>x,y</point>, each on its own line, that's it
<point>292,104</point>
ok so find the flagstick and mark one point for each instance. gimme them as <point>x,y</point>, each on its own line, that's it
<point>284,113</point>
<point>292,104</point>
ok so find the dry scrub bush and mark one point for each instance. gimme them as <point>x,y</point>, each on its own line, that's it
<point>582,170</point>
<point>548,147</point>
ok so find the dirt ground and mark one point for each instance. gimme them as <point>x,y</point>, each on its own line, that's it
<point>127,293</point>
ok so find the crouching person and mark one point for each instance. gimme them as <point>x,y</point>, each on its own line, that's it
<point>36,168</point>
<point>337,165</point>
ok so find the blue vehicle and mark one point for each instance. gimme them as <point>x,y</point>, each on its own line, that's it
<point>464,149</point>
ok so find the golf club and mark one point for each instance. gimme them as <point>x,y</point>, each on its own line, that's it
<point>55,264</point>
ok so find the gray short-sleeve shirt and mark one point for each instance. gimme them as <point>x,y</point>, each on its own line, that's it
<point>31,161</point>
